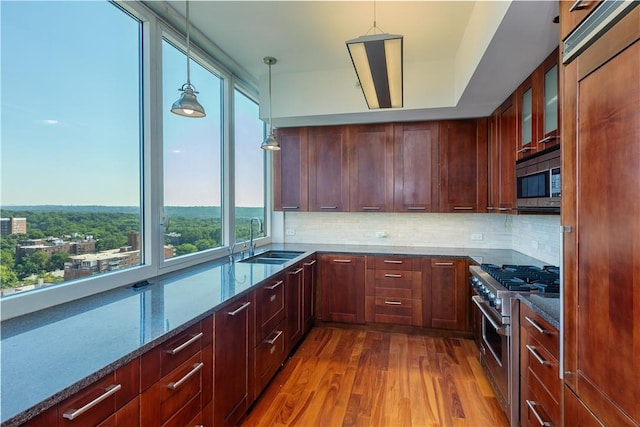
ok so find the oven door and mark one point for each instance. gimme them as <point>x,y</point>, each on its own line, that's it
<point>494,351</point>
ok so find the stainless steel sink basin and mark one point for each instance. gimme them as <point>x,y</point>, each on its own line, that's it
<point>272,257</point>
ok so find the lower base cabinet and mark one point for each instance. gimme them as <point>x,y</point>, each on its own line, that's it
<point>341,283</point>
<point>445,293</point>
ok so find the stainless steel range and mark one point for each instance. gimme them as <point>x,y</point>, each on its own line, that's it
<point>494,291</point>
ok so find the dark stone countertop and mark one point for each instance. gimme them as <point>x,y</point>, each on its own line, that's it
<point>49,355</point>
<point>547,306</point>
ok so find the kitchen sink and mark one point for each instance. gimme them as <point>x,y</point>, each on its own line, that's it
<point>272,257</point>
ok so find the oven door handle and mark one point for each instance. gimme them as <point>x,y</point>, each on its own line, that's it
<point>500,329</point>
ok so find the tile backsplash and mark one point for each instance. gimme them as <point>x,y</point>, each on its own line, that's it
<point>534,235</point>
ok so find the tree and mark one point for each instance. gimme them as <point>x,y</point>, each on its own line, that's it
<point>7,259</point>
<point>185,248</point>
<point>8,277</point>
<point>57,260</point>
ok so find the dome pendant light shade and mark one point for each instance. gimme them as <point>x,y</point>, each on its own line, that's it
<point>271,143</point>
<point>188,105</point>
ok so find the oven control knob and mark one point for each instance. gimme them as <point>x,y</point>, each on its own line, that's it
<point>497,302</point>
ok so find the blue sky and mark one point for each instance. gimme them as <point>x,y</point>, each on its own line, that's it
<point>70,113</point>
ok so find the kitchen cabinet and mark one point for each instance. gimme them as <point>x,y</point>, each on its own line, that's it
<point>540,385</point>
<point>463,165</point>
<point>291,170</point>
<point>341,282</point>
<point>576,413</point>
<point>328,169</point>
<point>601,218</point>
<point>502,159</point>
<point>445,290</point>
<point>127,416</point>
<point>293,301</point>
<point>231,362</point>
<point>573,12</point>
<point>393,290</point>
<point>371,168</point>
<point>309,289</point>
<point>416,172</point>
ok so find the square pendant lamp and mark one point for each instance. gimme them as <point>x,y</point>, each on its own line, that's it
<point>377,59</point>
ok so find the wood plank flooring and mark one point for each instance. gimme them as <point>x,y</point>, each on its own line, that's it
<point>346,377</point>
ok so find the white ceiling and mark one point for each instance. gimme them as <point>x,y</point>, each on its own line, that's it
<point>461,58</point>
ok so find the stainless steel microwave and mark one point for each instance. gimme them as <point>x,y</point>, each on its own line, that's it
<point>538,182</point>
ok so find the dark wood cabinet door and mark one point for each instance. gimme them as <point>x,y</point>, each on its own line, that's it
<point>342,287</point>
<point>293,300</point>
<point>371,168</point>
<point>575,413</point>
<point>445,292</point>
<point>572,13</point>
<point>328,169</point>
<point>231,362</point>
<point>463,165</point>
<point>291,170</point>
<point>526,106</point>
<point>502,167</point>
<point>547,87</point>
<point>602,207</point>
<point>308,293</point>
<point>416,167</point>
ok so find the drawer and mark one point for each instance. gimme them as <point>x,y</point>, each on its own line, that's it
<point>270,353</point>
<point>538,406</point>
<point>540,330</point>
<point>269,306</point>
<point>176,398</point>
<point>544,366</point>
<point>403,311</point>
<point>396,263</point>
<point>408,283</point>
<point>128,416</point>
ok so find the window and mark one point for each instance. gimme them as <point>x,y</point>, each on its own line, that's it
<point>192,160</point>
<point>249,167</point>
<point>71,142</point>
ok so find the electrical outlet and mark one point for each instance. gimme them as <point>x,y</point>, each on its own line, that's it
<point>290,231</point>
<point>476,236</point>
<point>381,234</point>
<point>534,244</point>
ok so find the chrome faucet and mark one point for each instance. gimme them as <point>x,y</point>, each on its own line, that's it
<point>260,230</point>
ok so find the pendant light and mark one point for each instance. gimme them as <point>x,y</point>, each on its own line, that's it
<point>271,143</point>
<point>188,105</point>
<point>377,59</point>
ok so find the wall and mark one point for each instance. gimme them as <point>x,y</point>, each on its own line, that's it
<point>534,235</point>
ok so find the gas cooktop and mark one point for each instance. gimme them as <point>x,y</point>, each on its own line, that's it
<point>525,278</point>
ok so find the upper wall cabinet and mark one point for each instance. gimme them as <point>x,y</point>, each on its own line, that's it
<point>538,109</point>
<point>501,170</point>
<point>415,155</point>
<point>463,165</point>
<point>371,168</point>
<point>328,169</point>
<point>290,170</point>
<point>573,12</point>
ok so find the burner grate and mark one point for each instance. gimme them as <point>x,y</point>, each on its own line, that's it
<point>525,278</point>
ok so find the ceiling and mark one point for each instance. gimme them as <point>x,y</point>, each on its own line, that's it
<point>461,58</point>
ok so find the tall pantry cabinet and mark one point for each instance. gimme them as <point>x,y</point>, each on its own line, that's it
<point>601,220</point>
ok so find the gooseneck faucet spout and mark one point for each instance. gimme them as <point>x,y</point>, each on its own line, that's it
<point>260,230</point>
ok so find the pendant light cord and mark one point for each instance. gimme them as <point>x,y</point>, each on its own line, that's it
<point>375,25</point>
<point>270,115</point>
<point>188,41</point>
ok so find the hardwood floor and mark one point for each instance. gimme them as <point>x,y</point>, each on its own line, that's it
<point>345,377</point>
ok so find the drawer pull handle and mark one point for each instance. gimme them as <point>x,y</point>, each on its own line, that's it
<point>273,340</point>
<point>371,208</point>
<point>109,391</point>
<point>291,207</point>
<point>536,326</point>
<point>578,5</point>
<point>547,139</point>
<point>328,207</point>
<point>504,209</point>
<point>393,302</point>
<point>392,261</point>
<point>239,309</point>
<point>539,358</point>
<point>297,271</point>
<point>196,368</point>
<point>310,263</point>
<point>275,285</point>
<point>395,276</point>
<point>463,208</point>
<point>342,260</point>
<point>532,406</point>
<point>444,264</point>
<point>186,344</point>
<point>524,150</point>
<point>416,208</point>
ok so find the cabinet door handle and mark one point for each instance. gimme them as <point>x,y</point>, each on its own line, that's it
<point>547,139</point>
<point>535,354</point>
<point>392,261</point>
<point>273,340</point>
<point>532,406</point>
<point>275,285</point>
<point>298,270</point>
<point>310,263</point>
<point>328,207</point>
<point>176,384</point>
<point>394,276</point>
<point>371,208</point>
<point>109,391</point>
<point>239,309</point>
<point>186,344</point>
<point>416,208</point>
<point>579,5</point>
<point>463,208</point>
<point>444,264</point>
<point>504,209</point>
<point>291,207</point>
<point>342,260</point>
<point>536,326</point>
<point>393,302</point>
<point>490,208</point>
<point>524,150</point>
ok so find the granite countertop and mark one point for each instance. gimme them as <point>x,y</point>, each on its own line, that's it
<point>48,355</point>
<point>547,306</point>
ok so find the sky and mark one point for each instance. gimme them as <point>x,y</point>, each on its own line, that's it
<point>70,122</point>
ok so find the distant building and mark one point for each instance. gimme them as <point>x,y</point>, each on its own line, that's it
<point>29,249</point>
<point>89,264</point>
<point>133,240</point>
<point>13,226</point>
<point>169,251</point>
